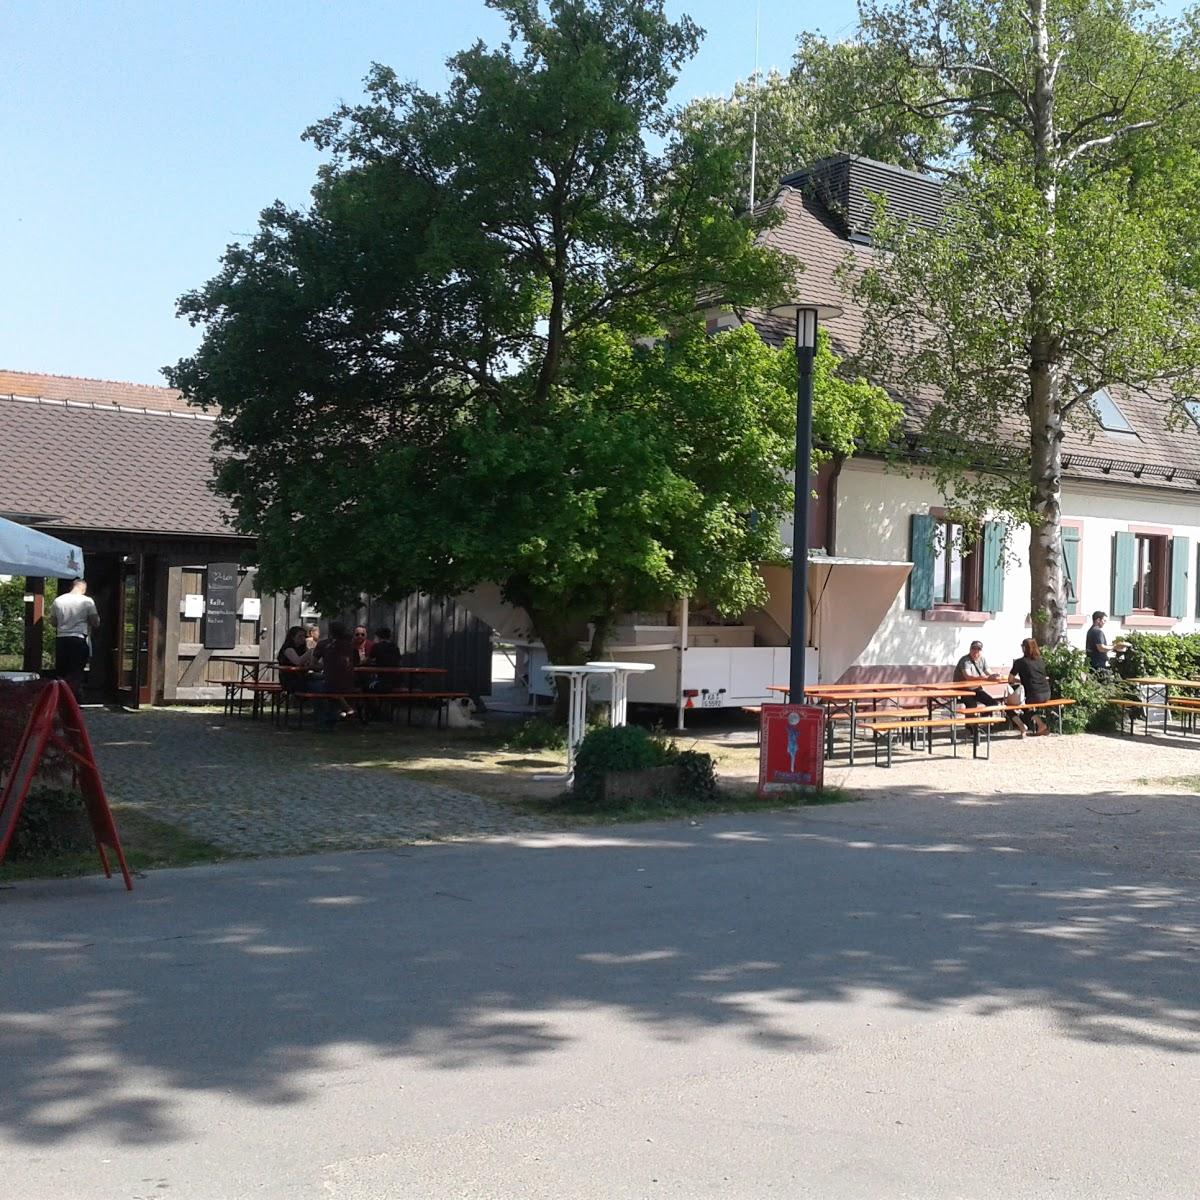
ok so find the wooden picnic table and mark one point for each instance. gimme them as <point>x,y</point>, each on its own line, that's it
<point>847,698</point>
<point>1155,692</point>
<point>404,670</point>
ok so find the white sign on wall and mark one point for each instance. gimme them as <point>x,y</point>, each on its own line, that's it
<point>193,605</point>
<point>251,608</point>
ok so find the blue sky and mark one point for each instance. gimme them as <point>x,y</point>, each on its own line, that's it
<point>139,138</point>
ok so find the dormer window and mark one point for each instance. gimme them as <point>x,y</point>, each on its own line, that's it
<point>1105,410</point>
<point>1192,408</point>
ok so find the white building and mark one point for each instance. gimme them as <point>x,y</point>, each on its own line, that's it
<point>1130,489</point>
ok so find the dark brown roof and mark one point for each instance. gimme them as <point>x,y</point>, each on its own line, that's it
<point>105,468</point>
<point>141,396</point>
<point>1156,456</point>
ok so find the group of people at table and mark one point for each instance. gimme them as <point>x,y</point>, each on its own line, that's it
<point>337,657</point>
<point>1027,680</point>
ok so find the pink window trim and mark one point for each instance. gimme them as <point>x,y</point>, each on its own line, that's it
<point>1080,619</point>
<point>960,616</point>
<point>1149,621</point>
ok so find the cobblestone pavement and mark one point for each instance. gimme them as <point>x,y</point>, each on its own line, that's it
<point>253,790</point>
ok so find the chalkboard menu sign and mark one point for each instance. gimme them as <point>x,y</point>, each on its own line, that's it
<point>220,606</point>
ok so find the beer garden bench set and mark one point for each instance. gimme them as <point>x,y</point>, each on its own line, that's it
<point>270,697</point>
<point>912,713</point>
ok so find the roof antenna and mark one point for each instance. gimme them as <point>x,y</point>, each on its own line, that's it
<point>754,107</point>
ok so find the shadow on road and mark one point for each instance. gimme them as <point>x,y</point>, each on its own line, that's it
<point>251,979</point>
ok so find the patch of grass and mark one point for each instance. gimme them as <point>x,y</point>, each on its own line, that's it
<point>147,844</point>
<point>727,800</point>
<point>1191,782</point>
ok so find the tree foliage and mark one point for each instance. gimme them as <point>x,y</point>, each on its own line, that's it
<point>827,103</point>
<point>1066,260</point>
<point>473,357</point>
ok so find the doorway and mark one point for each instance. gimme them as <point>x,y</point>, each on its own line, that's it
<point>121,670</point>
<point>134,618</point>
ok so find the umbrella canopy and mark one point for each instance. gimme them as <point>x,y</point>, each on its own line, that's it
<point>24,551</point>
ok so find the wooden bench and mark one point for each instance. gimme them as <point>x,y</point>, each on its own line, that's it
<point>755,710</point>
<point>1183,707</point>
<point>892,725</point>
<point>360,700</point>
<point>1055,706</point>
<point>258,692</point>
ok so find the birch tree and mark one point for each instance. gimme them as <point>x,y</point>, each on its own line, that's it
<point>1066,261</point>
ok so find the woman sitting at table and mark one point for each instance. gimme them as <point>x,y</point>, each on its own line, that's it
<point>1030,672</point>
<point>295,660</point>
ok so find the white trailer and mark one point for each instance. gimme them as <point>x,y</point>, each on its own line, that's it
<point>731,666</point>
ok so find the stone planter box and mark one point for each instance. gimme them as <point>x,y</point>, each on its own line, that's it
<point>621,786</point>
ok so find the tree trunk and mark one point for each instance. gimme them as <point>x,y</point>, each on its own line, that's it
<point>562,642</point>
<point>1047,595</point>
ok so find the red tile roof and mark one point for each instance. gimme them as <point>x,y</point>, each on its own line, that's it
<point>95,466</point>
<point>1157,456</point>
<point>92,391</point>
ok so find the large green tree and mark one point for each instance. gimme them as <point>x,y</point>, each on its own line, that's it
<point>1066,261</point>
<point>475,358</point>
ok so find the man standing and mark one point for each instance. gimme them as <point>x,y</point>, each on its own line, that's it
<point>1097,644</point>
<point>73,616</point>
<point>971,668</point>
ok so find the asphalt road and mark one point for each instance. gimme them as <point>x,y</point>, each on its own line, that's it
<point>797,1005</point>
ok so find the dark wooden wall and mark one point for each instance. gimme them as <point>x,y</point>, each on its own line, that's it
<point>435,633</point>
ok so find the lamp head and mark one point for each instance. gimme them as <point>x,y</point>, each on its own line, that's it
<point>806,317</point>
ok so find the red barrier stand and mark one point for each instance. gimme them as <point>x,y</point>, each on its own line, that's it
<point>792,757</point>
<point>57,706</point>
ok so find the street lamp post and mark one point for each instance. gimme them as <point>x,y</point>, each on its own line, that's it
<point>806,318</point>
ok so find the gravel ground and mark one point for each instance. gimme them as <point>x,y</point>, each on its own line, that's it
<point>254,790</point>
<point>1115,801</point>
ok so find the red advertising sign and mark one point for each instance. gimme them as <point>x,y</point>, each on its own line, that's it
<point>56,720</point>
<point>792,755</point>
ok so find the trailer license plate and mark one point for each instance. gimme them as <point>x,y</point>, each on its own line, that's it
<point>710,700</point>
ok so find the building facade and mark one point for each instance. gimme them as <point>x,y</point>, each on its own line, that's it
<point>124,471</point>
<point>1131,484</point>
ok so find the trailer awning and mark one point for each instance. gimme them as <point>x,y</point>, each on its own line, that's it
<point>847,600</point>
<point>25,551</point>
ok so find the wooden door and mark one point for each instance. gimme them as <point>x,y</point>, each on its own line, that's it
<point>132,648</point>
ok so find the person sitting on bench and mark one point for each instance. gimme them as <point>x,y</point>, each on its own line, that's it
<point>338,658</point>
<point>1030,671</point>
<point>384,653</point>
<point>294,654</point>
<point>972,667</point>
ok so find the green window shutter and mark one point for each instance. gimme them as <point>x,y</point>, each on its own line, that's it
<point>1070,541</point>
<point>921,551</point>
<point>1122,574</point>
<point>991,591</point>
<point>1181,553</point>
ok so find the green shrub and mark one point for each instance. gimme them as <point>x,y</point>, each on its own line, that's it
<point>537,734</point>
<point>1069,679</point>
<point>631,748</point>
<point>626,748</point>
<point>12,620</point>
<point>1067,668</point>
<point>52,822</point>
<point>1162,655</point>
<point>697,775</point>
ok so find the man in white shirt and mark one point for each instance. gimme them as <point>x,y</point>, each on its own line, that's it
<point>73,615</point>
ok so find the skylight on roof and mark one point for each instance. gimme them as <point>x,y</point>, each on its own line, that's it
<point>1111,418</point>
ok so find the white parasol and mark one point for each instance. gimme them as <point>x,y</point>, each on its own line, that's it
<point>24,551</point>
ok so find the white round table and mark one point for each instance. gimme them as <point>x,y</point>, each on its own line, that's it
<point>577,676</point>
<point>621,671</point>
